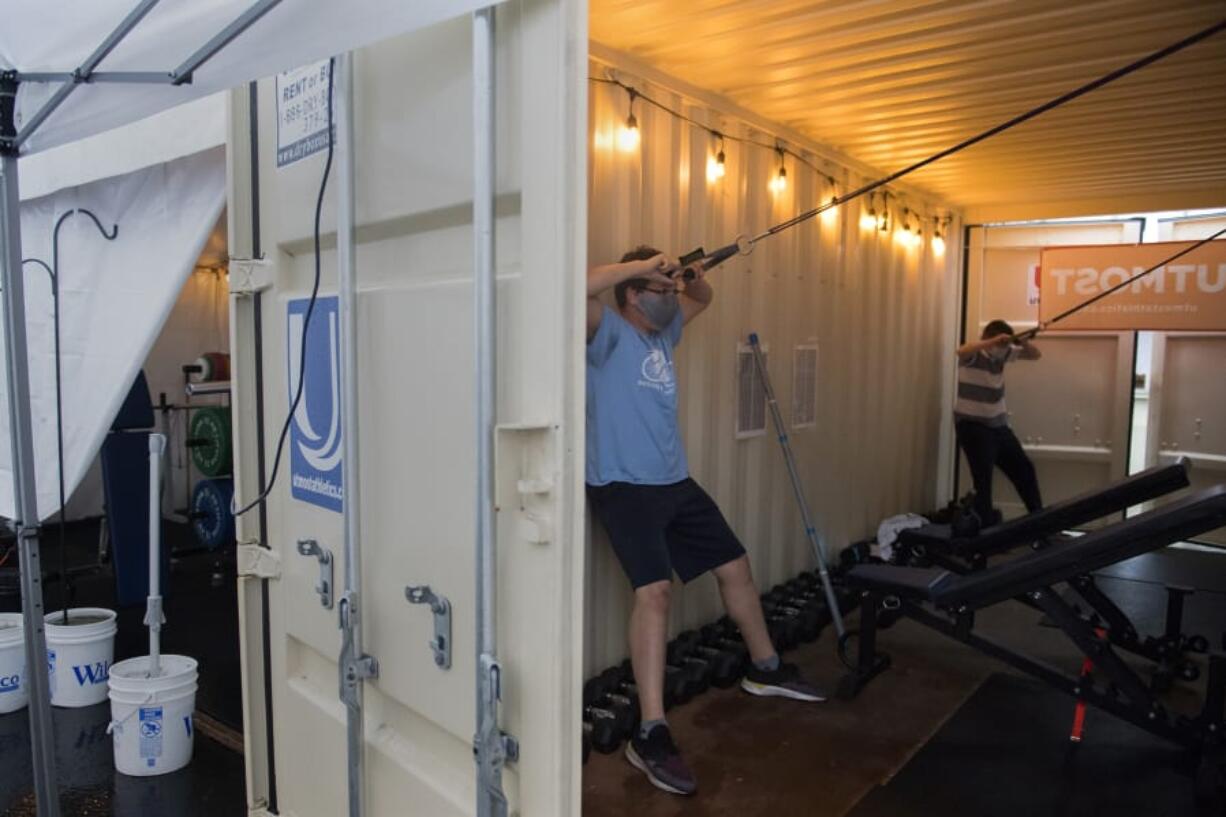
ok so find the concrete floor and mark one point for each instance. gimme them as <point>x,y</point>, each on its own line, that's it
<point>754,757</point>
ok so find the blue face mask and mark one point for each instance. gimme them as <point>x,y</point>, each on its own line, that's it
<point>658,308</point>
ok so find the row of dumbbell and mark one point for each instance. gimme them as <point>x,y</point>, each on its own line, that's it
<point>694,662</point>
<point>716,655</point>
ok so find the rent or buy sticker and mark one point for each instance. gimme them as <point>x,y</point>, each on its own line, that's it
<point>1189,293</point>
<point>302,112</point>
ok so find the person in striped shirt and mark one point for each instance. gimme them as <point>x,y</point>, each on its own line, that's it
<point>981,422</point>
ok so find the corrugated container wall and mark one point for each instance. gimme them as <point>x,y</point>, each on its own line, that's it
<point>878,311</point>
<point>416,383</point>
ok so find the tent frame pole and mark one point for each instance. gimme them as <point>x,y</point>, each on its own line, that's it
<point>21,435</point>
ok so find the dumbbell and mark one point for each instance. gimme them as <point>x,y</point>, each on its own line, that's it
<point>718,637</point>
<point>677,687</point>
<point>782,624</point>
<point>616,682</point>
<point>811,606</point>
<point>783,631</point>
<point>726,666</point>
<point>605,736</point>
<point>802,590</point>
<point>723,629</point>
<point>598,693</point>
<point>680,654</point>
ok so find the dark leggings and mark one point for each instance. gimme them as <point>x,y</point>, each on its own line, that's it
<point>986,447</point>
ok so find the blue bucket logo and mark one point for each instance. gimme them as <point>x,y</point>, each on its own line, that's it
<point>92,674</point>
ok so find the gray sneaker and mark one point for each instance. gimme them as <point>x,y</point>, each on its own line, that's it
<point>784,682</point>
<point>657,757</point>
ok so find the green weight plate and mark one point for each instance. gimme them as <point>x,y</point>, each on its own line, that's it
<point>213,456</point>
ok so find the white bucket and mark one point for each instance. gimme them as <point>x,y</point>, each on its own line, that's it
<point>13,691</point>
<point>151,718</point>
<point>79,655</point>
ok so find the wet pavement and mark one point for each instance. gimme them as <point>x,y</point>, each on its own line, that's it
<point>212,784</point>
<point>202,622</point>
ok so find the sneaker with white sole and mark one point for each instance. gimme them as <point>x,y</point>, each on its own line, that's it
<point>782,682</point>
<point>657,757</point>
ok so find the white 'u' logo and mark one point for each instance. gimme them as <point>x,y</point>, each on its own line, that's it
<point>326,455</point>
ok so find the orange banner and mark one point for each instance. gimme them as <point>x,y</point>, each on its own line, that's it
<point>1187,294</point>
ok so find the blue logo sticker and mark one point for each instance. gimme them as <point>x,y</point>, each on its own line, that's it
<point>9,683</point>
<point>315,433</point>
<point>150,719</point>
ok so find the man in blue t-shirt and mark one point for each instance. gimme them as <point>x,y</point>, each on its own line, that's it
<point>659,520</point>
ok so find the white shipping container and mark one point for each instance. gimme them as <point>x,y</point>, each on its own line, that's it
<point>877,312</point>
<point>416,384</point>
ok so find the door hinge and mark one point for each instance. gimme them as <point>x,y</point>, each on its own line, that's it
<point>249,275</point>
<point>257,562</point>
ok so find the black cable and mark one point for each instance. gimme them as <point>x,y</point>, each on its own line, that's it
<point>306,321</point>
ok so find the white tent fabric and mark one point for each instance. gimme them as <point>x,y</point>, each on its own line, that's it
<point>114,298</point>
<point>58,35</point>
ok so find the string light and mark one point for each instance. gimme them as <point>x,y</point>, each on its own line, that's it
<point>830,216</point>
<point>780,182</point>
<point>938,240</point>
<point>907,234</point>
<point>628,134</point>
<point>715,164</point>
<point>627,138</point>
<point>868,219</point>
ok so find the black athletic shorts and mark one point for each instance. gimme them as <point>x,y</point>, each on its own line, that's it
<point>656,529</point>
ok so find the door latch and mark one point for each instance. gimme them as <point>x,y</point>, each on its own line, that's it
<point>441,607</point>
<point>309,547</point>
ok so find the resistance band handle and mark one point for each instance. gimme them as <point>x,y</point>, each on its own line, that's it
<point>720,256</point>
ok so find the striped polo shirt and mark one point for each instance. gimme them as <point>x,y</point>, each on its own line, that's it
<point>981,388</point>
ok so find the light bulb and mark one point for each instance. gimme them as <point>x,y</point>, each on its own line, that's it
<point>938,245</point>
<point>830,216</point>
<point>628,135</point>
<point>868,220</point>
<point>780,182</point>
<point>715,167</point>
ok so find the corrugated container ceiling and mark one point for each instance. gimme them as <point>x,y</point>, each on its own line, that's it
<point>890,83</point>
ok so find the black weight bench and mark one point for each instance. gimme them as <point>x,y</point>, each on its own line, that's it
<point>946,601</point>
<point>937,543</point>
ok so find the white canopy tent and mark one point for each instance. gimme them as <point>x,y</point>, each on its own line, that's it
<point>114,298</point>
<point>69,70</point>
<point>175,51</point>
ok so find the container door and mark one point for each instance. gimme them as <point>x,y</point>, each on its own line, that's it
<point>1071,409</point>
<point>1188,388</point>
<point>413,135</point>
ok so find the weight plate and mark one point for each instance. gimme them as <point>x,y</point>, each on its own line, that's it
<point>212,521</point>
<point>210,428</point>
